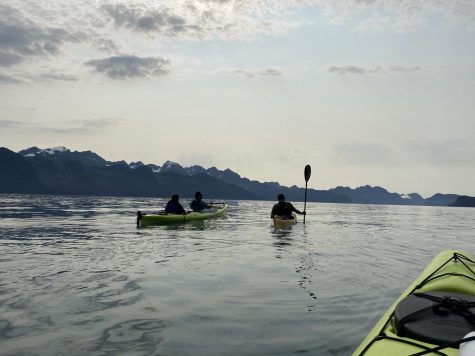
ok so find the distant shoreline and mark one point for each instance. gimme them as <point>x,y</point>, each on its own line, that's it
<point>211,199</point>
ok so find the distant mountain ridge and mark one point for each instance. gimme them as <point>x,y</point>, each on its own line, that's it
<point>61,152</point>
<point>464,201</point>
<point>59,170</point>
<point>377,195</point>
<point>17,175</point>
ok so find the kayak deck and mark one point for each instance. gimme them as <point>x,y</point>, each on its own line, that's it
<point>165,218</point>
<point>451,271</point>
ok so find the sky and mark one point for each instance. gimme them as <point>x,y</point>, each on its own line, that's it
<point>377,92</point>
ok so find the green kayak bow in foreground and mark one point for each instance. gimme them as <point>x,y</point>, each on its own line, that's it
<point>433,316</point>
<point>165,218</point>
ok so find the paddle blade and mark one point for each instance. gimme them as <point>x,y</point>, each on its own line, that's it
<point>307,172</point>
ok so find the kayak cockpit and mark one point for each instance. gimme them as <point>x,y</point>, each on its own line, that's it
<point>284,221</point>
<point>439,318</point>
<point>433,316</point>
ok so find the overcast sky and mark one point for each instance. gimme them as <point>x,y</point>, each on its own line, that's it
<point>366,91</point>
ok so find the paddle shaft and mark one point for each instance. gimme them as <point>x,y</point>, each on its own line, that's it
<point>307,173</point>
<point>305,202</point>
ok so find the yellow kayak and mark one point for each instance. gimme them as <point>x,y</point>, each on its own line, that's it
<point>283,221</point>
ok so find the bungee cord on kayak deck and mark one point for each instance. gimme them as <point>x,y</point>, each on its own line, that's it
<point>457,257</point>
<point>436,349</point>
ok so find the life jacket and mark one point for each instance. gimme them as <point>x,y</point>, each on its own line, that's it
<point>284,209</point>
<point>174,208</point>
<point>196,205</point>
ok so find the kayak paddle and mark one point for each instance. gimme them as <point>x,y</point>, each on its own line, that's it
<point>307,173</point>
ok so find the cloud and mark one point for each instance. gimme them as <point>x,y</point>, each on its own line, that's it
<point>146,20</point>
<point>242,19</point>
<point>18,77</point>
<point>352,69</point>
<point>57,77</point>
<point>439,152</point>
<point>11,124</point>
<point>74,127</point>
<point>366,154</point>
<point>82,126</point>
<point>22,38</point>
<point>96,123</point>
<point>399,68</point>
<point>201,20</point>
<point>451,151</point>
<point>397,16</point>
<point>46,31</point>
<point>8,59</point>
<point>126,67</point>
<point>253,72</point>
<point>104,44</point>
<point>5,79</point>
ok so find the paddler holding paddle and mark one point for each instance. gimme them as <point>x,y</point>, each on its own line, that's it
<point>198,204</point>
<point>284,208</point>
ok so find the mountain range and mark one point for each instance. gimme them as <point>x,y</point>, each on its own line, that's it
<point>59,170</point>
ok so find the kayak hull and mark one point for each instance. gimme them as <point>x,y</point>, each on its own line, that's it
<point>280,223</point>
<point>166,219</point>
<point>452,274</point>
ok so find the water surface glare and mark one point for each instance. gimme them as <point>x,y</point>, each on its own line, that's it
<point>78,278</point>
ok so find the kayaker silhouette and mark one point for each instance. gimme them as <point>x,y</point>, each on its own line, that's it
<point>283,208</point>
<point>198,204</point>
<point>174,206</point>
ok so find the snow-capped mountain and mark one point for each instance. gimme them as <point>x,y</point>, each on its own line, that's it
<point>62,153</point>
<point>60,171</point>
<point>154,167</point>
<point>135,165</point>
<point>193,170</point>
<point>34,151</point>
<point>170,166</point>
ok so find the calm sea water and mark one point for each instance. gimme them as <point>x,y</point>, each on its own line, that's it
<point>78,278</point>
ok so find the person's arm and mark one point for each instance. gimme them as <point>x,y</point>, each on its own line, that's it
<point>180,209</point>
<point>274,211</point>
<point>297,211</point>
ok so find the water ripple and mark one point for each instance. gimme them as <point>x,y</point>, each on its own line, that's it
<point>77,277</point>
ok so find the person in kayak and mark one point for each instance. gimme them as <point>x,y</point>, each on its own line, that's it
<point>174,206</point>
<point>283,208</point>
<point>198,204</point>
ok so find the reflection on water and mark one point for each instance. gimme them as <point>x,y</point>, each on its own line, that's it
<point>77,277</point>
<point>305,264</point>
<point>140,337</point>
